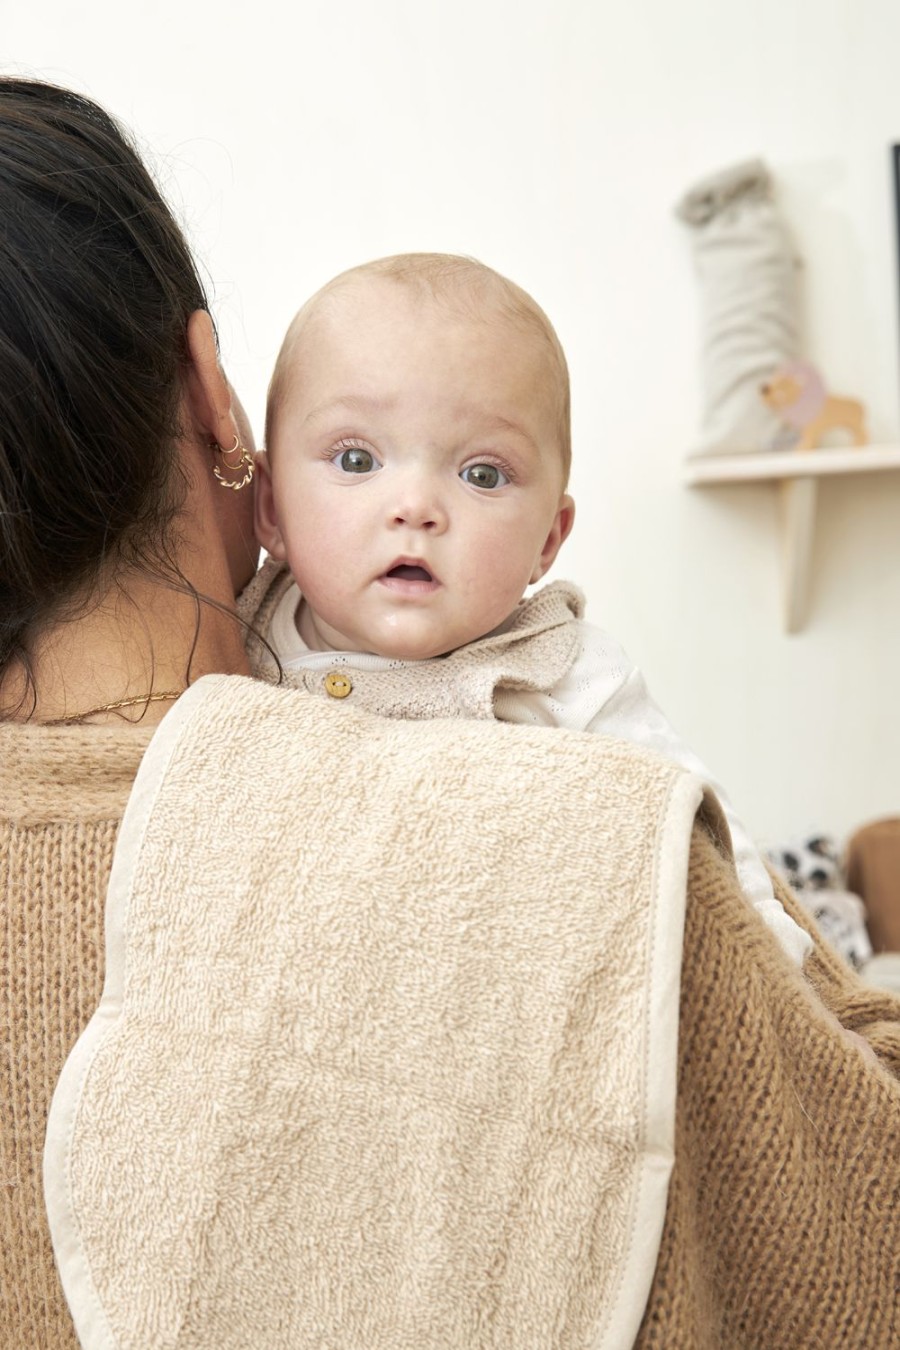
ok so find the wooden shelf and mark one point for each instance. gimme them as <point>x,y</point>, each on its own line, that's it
<point>756,468</point>
<point>796,473</point>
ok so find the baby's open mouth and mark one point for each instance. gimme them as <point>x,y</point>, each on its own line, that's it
<point>406,572</point>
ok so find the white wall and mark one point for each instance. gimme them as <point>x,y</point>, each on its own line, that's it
<point>552,142</point>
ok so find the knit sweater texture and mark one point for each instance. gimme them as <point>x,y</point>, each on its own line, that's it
<point>782,1223</point>
<point>62,794</point>
<point>782,1228</point>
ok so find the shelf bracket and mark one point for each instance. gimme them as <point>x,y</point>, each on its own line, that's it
<point>798,516</point>
<point>797,489</point>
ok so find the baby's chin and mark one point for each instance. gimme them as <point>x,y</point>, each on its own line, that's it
<point>393,637</point>
<point>406,651</point>
<point>404,647</point>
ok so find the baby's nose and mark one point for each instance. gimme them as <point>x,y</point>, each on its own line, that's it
<point>418,519</point>
<point>420,507</point>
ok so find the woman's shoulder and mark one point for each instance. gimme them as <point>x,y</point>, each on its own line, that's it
<point>73,773</point>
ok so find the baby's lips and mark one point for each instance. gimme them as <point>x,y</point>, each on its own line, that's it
<point>410,572</point>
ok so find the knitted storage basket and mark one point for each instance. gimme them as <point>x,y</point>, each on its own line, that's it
<point>748,270</point>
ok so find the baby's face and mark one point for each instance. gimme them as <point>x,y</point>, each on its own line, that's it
<point>414,482</point>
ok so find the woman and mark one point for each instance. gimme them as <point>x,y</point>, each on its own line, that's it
<point>122,548</point>
<point>121,554</point>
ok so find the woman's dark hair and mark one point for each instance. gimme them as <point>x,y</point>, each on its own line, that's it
<point>96,287</point>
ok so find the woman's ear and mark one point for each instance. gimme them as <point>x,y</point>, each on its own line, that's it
<point>268,530</point>
<point>559,533</point>
<point>206,388</point>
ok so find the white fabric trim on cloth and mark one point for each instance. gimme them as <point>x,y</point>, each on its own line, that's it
<point>369,1065</point>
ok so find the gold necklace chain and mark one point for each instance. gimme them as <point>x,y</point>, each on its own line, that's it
<point>169,695</point>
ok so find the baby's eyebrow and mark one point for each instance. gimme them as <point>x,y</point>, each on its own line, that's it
<point>498,423</point>
<point>351,403</point>
<point>369,403</point>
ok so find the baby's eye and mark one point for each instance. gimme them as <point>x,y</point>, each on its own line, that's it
<point>484,476</point>
<point>355,459</point>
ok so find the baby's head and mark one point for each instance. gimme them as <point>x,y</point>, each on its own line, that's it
<point>418,455</point>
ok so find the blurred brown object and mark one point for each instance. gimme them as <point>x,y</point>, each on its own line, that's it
<point>873,873</point>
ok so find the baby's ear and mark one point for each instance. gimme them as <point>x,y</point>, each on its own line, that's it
<point>265,516</point>
<point>559,533</point>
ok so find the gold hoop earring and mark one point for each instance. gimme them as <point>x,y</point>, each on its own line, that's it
<point>244,465</point>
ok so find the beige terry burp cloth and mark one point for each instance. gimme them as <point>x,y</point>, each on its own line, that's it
<point>386,1053</point>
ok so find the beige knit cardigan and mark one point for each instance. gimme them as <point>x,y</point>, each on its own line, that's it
<point>782,1227</point>
<point>62,794</point>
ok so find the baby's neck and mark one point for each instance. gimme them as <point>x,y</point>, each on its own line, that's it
<point>308,630</point>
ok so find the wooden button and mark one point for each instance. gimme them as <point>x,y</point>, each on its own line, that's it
<point>338,685</point>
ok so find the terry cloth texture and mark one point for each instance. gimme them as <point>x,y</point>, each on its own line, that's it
<point>782,1228</point>
<point>386,1053</point>
<point>543,667</point>
<point>62,794</point>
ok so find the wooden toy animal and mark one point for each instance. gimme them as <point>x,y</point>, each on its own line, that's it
<point>797,394</point>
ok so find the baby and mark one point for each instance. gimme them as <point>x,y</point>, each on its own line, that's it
<point>414,486</point>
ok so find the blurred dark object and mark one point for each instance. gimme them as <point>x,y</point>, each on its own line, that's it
<point>810,864</point>
<point>812,868</point>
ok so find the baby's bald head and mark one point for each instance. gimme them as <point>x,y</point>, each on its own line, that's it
<point>466,288</point>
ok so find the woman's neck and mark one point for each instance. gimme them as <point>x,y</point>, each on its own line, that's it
<point>140,637</point>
